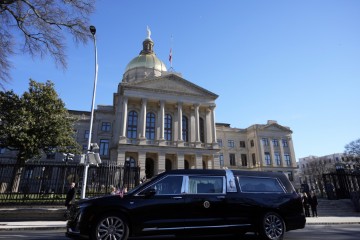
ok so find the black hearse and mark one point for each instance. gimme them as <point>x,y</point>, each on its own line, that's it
<point>186,202</point>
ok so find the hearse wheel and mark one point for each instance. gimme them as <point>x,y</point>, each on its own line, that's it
<point>272,227</point>
<point>111,226</point>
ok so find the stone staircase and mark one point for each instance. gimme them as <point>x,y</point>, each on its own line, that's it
<point>336,208</point>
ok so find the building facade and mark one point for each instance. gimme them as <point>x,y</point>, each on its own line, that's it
<point>161,121</point>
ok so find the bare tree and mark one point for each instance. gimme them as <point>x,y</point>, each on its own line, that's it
<point>38,26</point>
<point>352,153</point>
<point>315,170</point>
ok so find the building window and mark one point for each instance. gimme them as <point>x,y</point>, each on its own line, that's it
<point>105,126</point>
<point>86,134</point>
<point>285,143</point>
<point>232,159</point>
<point>221,158</point>
<point>265,141</point>
<point>2,150</point>
<point>132,125</point>
<point>185,129</point>
<point>242,144</point>
<point>231,143</point>
<point>277,158</point>
<point>104,147</point>
<point>150,126</point>
<point>202,130</point>
<point>275,142</point>
<point>243,160</point>
<point>267,158</point>
<point>253,159</point>
<point>168,127</point>
<point>220,142</point>
<point>252,143</point>
<point>84,147</point>
<point>287,159</point>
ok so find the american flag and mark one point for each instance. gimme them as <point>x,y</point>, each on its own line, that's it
<point>170,56</point>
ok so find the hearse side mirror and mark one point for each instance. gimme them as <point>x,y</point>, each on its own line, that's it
<point>150,192</point>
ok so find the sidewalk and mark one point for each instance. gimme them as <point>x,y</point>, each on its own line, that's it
<point>51,225</point>
<point>329,220</point>
<point>32,225</point>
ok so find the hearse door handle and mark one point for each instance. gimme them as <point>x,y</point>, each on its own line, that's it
<point>177,197</point>
<point>220,197</point>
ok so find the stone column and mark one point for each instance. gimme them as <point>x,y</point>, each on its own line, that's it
<point>213,124</point>
<point>208,126</point>
<point>216,161</point>
<point>272,154</point>
<point>262,154</point>
<point>162,122</point>
<point>292,152</point>
<point>143,121</point>
<point>282,157</point>
<point>198,162</point>
<point>124,120</point>
<point>141,163</point>
<point>180,161</point>
<point>161,162</point>
<point>179,107</point>
<point>121,157</point>
<point>197,125</point>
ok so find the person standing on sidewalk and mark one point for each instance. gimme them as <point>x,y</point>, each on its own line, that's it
<point>305,200</point>
<point>313,204</point>
<point>70,196</point>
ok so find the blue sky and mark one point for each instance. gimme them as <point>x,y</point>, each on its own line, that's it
<point>296,62</point>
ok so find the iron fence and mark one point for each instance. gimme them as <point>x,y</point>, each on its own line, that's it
<point>47,183</point>
<point>340,185</point>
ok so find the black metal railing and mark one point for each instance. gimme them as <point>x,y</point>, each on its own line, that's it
<point>47,183</point>
<point>339,185</point>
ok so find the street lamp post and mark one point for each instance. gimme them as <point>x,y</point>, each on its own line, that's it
<point>86,167</point>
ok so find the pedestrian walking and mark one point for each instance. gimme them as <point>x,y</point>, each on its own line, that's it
<point>313,204</point>
<point>70,196</point>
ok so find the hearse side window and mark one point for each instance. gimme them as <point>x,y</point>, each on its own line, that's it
<point>168,185</point>
<point>259,184</point>
<point>206,184</point>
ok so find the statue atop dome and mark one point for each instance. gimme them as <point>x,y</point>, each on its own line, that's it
<point>148,32</point>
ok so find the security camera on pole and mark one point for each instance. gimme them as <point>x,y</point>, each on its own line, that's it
<point>91,157</point>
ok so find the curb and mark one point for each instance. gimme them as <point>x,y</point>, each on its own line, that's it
<point>331,223</point>
<point>31,228</point>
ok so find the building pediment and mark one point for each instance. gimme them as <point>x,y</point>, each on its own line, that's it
<point>170,84</point>
<point>276,127</point>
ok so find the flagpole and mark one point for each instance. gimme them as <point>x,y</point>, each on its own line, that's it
<point>170,54</point>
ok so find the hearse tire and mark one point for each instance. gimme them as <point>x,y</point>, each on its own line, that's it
<point>110,226</point>
<point>272,227</point>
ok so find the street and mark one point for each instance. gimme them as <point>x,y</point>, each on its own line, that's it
<point>328,232</point>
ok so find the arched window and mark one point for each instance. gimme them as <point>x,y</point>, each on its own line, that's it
<point>132,125</point>
<point>202,130</point>
<point>168,127</point>
<point>185,129</point>
<point>150,126</point>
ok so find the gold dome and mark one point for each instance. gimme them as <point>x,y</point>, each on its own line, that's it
<point>146,65</point>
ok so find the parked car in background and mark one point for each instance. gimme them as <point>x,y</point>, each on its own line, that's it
<point>187,202</point>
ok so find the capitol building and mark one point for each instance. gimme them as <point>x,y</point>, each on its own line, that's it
<point>161,121</point>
